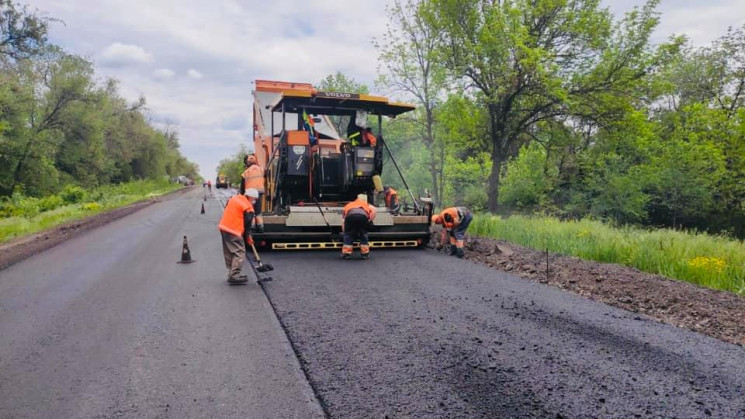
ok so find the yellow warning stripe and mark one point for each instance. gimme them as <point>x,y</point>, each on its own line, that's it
<point>337,245</point>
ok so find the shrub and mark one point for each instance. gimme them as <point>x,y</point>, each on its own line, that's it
<point>72,194</point>
<point>50,202</point>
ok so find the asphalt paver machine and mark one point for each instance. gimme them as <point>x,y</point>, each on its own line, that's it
<point>312,170</point>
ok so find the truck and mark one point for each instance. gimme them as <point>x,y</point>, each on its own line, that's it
<point>221,181</point>
<point>312,170</point>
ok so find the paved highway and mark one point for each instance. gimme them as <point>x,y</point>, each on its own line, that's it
<point>108,325</point>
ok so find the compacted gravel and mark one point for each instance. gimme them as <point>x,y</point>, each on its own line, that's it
<point>415,333</point>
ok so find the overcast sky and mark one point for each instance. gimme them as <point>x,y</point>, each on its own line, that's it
<point>195,60</point>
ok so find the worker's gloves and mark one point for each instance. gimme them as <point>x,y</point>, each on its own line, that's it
<point>249,240</point>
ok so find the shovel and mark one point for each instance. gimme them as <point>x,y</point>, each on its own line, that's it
<point>262,267</point>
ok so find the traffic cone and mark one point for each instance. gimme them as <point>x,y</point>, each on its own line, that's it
<point>202,208</point>
<point>185,253</point>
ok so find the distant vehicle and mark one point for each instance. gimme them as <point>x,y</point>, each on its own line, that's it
<point>222,181</point>
<point>184,180</point>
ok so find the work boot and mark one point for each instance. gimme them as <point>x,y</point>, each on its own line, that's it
<point>241,279</point>
<point>459,253</point>
<point>453,250</point>
<point>346,256</point>
<point>366,256</point>
<point>259,228</point>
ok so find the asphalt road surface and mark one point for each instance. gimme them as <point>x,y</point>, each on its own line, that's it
<point>108,325</point>
<point>422,334</point>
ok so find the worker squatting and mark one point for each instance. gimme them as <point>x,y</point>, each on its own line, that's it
<point>357,216</point>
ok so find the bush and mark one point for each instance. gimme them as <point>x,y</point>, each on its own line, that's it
<point>72,194</point>
<point>51,202</point>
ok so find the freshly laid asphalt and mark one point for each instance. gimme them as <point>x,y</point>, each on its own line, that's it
<point>109,325</point>
<point>421,334</point>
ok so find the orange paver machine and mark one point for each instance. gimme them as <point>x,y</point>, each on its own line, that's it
<point>312,170</point>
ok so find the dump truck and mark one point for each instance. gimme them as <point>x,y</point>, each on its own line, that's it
<point>312,170</point>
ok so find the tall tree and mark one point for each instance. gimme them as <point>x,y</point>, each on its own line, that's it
<point>410,66</point>
<point>23,32</point>
<point>536,60</point>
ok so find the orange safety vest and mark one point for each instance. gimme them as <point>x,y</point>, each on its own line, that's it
<point>371,139</point>
<point>358,203</point>
<point>254,177</point>
<point>389,197</point>
<point>458,213</point>
<point>232,217</point>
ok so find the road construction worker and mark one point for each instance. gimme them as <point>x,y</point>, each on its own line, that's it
<point>369,139</point>
<point>391,200</point>
<point>235,228</point>
<point>456,221</point>
<point>209,186</point>
<point>253,177</point>
<point>356,215</point>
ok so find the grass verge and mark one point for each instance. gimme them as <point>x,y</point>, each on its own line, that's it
<point>711,261</point>
<point>90,203</point>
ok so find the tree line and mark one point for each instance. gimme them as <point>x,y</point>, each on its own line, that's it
<point>60,126</point>
<point>559,107</point>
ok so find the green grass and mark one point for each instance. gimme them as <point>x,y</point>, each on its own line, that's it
<point>711,261</point>
<point>93,202</point>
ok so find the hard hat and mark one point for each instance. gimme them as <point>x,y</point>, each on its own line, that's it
<point>436,219</point>
<point>252,193</point>
<point>362,197</point>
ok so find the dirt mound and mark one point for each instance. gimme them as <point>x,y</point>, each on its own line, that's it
<point>714,313</point>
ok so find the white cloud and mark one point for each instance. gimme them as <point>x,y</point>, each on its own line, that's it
<point>194,74</point>
<point>163,73</point>
<point>118,54</point>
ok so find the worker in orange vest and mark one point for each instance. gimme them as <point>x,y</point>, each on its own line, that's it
<point>391,200</point>
<point>456,221</point>
<point>253,177</point>
<point>235,228</point>
<point>356,216</point>
<point>369,139</point>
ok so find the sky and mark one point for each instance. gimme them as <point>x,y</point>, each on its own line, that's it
<point>195,61</point>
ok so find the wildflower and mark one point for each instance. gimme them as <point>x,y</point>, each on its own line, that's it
<point>708,263</point>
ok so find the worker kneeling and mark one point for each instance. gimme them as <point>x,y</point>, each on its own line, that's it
<point>357,215</point>
<point>235,228</point>
<point>456,221</point>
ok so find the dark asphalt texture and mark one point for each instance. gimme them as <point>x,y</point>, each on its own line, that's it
<point>109,325</point>
<point>415,333</point>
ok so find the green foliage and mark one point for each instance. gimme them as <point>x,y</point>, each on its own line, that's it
<point>20,215</point>
<point>232,166</point>
<point>711,261</point>
<point>529,62</point>
<point>615,130</point>
<point>22,31</point>
<point>72,194</point>
<point>528,180</point>
<point>59,126</point>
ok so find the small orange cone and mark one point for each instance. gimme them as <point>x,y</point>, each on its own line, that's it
<point>202,208</point>
<point>185,253</point>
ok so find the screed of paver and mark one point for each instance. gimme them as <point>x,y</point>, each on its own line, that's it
<point>108,324</point>
<point>421,334</point>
